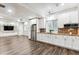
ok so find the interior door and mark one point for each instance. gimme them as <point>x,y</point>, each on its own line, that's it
<point>34,32</point>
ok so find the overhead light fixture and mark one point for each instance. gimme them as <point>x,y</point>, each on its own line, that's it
<point>9,10</point>
<point>59,4</point>
<point>1,17</point>
<point>62,4</point>
<point>25,23</point>
<point>19,20</point>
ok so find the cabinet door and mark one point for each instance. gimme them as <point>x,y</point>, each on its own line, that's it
<point>76,43</point>
<point>42,37</point>
<point>38,36</point>
<point>68,41</point>
<point>60,40</point>
<point>56,40</point>
<point>53,39</point>
<point>48,40</point>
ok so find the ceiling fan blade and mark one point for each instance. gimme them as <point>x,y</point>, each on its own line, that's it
<point>1,5</point>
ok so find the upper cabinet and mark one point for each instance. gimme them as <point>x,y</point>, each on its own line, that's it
<point>40,24</point>
<point>67,17</point>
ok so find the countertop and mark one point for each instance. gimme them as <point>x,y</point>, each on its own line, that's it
<point>58,34</point>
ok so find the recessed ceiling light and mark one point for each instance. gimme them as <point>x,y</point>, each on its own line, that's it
<point>1,17</point>
<point>18,20</point>
<point>62,4</point>
<point>25,23</point>
<point>9,10</point>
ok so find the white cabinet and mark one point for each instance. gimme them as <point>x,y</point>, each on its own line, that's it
<point>76,43</point>
<point>48,38</point>
<point>61,40</point>
<point>58,40</point>
<point>65,17</point>
<point>71,42</point>
<point>44,37</point>
<point>39,36</point>
<point>68,41</point>
<point>54,39</point>
<point>40,23</point>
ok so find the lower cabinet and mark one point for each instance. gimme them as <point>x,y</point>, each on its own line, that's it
<point>68,42</point>
<point>53,39</point>
<point>39,37</point>
<point>58,40</point>
<point>71,42</point>
<point>76,43</point>
<point>61,40</point>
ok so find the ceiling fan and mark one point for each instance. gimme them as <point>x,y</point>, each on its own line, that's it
<point>1,5</point>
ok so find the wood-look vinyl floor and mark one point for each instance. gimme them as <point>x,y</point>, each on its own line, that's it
<point>20,45</point>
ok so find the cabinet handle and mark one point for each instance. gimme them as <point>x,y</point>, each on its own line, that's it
<point>64,39</point>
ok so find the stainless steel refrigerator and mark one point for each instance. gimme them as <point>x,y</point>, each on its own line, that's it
<point>34,32</point>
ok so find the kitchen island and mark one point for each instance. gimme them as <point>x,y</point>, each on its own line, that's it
<point>61,40</point>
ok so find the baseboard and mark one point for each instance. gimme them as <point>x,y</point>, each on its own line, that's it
<point>13,36</point>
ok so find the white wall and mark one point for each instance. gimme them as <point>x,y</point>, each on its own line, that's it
<point>8,33</point>
<point>26,28</point>
<point>20,28</point>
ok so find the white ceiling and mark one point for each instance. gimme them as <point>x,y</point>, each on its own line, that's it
<point>29,10</point>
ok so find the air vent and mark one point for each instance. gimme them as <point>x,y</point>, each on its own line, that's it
<point>1,5</point>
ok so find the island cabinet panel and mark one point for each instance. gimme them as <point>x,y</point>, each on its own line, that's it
<point>57,40</point>
<point>43,37</point>
<point>76,43</point>
<point>70,42</point>
<point>47,38</point>
<point>61,40</point>
<point>53,39</point>
<point>39,36</point>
